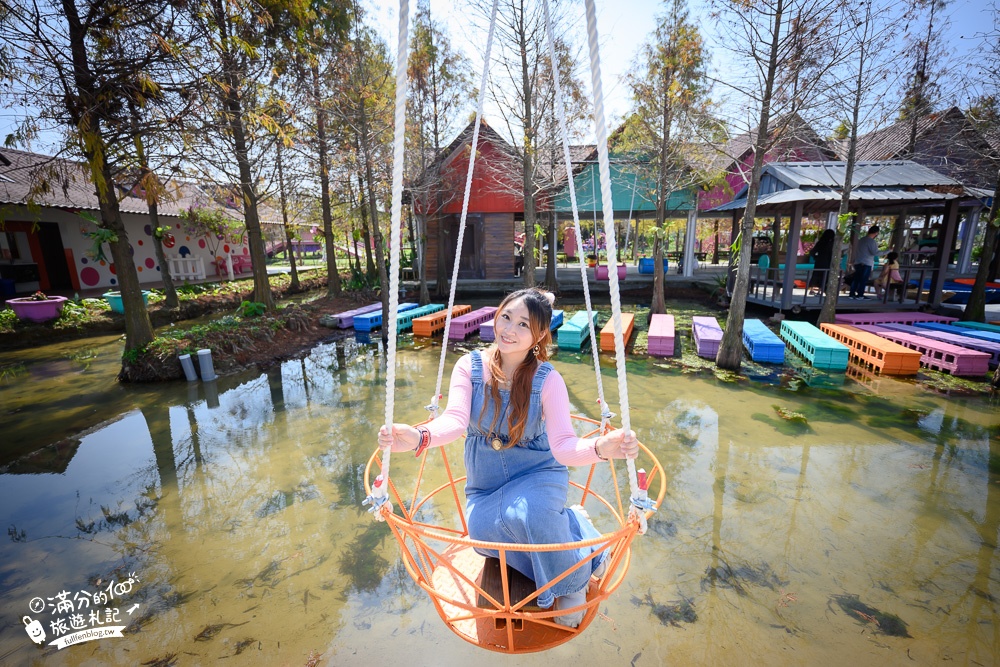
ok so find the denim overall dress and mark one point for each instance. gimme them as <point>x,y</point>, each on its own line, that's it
<point>518,494</point>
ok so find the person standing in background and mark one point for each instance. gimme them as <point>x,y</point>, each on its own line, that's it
<point>865,251</point>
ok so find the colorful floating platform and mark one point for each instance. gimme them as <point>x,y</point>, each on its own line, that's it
<point>990,348</point>
<point>707,336</point>
<point>935,354</point>
<point>428,325</point>
<point>873,352</point>
<point>661,335</point>
<point>573,334</point>
<point>608,332</point>
<point>470,323</point>
<point>897,317</point>
<point>373,320</point>
<point>345,320</point>
<point>819,349</point>
<point>762,344</point>
<point>405,319</point>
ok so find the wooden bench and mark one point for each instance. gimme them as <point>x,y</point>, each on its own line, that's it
<point>820,350</point>
<point>978,326</point>
<point>907,317</point>
<point>574,334</point>
<point>520,587</point>
<point>660,341</point>
<point>608,332</point>
<point>707,336</point>
<point>992,349</point>
<point>469,323</point>
<point>950,328</point>
<point>762,344</point>
<point>405,319</point>
<point>936,354</point>
<point>428,325</point>
<point>345,320</point>
<point>874,352</point>
<point>373,320</point>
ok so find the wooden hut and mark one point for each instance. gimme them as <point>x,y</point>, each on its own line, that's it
<point>495,201</point>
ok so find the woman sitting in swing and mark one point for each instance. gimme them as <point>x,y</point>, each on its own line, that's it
<point>513,408</point>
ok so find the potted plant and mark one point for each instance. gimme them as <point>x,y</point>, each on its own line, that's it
<point>114,300</point>
<point>38,307</point>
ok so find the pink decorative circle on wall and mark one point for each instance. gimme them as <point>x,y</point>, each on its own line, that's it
<point>246,251</point>
<point>225,249</point>
<point>90,276</point>
<point>150,263</point>
<point>201,243</point>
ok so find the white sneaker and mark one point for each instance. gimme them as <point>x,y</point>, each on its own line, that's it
<point>573,619</point>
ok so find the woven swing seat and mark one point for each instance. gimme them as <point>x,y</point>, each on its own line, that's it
<point>473,595</point>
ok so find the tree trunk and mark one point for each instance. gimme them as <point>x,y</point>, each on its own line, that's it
<point>332,273</point>
<point>383,270</point>
<point>283,200</point>
<point>527,158</point>
<point>421,224</point>
<point>168,282</point>
<point>138,329</point>
<point>366,236</point>
<point>730,355</point>
<point>551,282</point>
<point>975,311</point>
<point>230,96</point>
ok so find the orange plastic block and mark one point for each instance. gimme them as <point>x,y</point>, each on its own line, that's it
<point>608,332</point>
<point>874,352</point>
<point>428,325</point>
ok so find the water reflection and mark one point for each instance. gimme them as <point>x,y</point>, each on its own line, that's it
<point>238,505</point>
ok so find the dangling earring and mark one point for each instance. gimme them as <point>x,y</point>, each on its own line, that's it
<point>535,350</point>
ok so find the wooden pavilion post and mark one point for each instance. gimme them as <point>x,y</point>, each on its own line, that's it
<point>946,237</point>
<point>791,256</point>
<point>969,228</point>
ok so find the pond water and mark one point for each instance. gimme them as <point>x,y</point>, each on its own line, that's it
<point>230,513</point>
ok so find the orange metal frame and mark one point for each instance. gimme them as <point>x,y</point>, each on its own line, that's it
<point>444,563</point>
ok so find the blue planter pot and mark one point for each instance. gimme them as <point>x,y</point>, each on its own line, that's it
<point>114,299</point>
<point>646,266</point>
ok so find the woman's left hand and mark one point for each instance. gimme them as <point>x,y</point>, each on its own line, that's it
<point>618,444</point>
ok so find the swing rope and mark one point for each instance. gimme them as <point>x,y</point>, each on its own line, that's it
<point>606,415</point>
<point>380,495</point>
<point>640,502</point>
<point>433,407</point>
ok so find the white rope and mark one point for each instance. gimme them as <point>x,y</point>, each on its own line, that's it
<point>561,114</point>
<point>380,495</point>
<point>601,132</point>
<point>433,407</point>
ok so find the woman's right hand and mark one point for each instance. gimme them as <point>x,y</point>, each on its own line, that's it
<point>404,438</point>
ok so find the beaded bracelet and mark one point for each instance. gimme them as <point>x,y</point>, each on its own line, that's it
<point>598,452</point>
<point>425,440</point>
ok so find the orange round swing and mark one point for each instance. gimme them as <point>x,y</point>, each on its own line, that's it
<point>444,563</point>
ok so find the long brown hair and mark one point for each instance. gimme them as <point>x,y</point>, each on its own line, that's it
<point>539,318</point>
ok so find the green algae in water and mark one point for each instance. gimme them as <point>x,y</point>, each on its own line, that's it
<point>790,415</point>
<point>783,426</point>
<point>886,623</point>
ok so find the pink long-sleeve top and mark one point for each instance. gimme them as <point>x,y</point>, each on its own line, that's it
<point>567,448</point>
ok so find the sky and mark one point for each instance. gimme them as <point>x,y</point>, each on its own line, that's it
<point>623,25</point>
